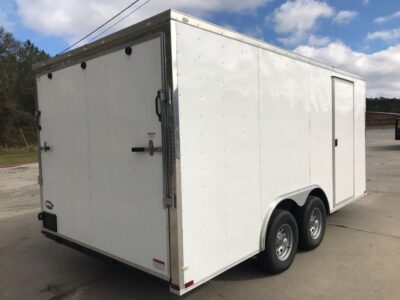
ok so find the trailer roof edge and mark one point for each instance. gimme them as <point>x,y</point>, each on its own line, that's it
<point>102,44</point>
<point>107,42</point>
<point>196,22</point>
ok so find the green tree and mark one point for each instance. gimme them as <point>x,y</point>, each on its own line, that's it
<point>382,104</point>
<point>27,55</point>
<point>17,89</point>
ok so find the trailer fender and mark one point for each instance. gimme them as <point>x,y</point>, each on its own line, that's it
<point>298,196</point>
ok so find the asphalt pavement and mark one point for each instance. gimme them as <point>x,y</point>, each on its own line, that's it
<point>358,259</point>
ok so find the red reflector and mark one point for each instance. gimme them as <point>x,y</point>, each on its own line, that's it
<point>158,261</point>
<point>190,283</point>
<point>174,286</point>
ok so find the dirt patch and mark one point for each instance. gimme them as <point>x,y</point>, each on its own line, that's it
<point>19,190</point>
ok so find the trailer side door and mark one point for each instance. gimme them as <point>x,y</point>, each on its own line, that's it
<point>343,103</point>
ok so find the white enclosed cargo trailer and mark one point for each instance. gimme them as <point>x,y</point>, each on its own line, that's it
<point>182,148</point>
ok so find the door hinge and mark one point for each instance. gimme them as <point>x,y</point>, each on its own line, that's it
<point>40,180</point>
<point>166,96</point>
<point>169,202</point>
<point>37,118</point>
<point>162,96</point>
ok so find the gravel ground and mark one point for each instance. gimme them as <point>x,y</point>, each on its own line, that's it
<point>19,190</point>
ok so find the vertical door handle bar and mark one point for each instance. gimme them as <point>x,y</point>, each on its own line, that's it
<point>157,100</point>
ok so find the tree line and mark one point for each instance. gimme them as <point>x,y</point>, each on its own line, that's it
<point>390,105</point>
<point>17,90</point>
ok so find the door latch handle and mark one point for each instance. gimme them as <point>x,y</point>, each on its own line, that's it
<point>45,147</point>
<point>138,149</point>
<point>336,142</point>
<point>151,149</point>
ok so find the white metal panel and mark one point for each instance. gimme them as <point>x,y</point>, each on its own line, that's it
<point>285,125</point>
<point>219,143</point>
<point>65,168</point>
<point>128,217</point>
<point>321,159</point>
<point>359,138</point>
<point>105,196</point>
<point>344,133</point>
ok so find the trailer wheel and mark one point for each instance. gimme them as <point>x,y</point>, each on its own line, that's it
<point>280,243</point>
<point>312,223</point>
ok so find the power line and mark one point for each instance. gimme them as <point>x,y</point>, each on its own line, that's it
<point>107,29</point>
<point>118,14</point>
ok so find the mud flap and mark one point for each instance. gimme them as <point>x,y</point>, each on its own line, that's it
<point>49,220</point>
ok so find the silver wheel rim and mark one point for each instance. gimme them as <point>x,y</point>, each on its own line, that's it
<point>315,223</point>
<point>284,242</point>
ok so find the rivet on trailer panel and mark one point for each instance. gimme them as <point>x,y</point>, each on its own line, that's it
<point>128,50</point>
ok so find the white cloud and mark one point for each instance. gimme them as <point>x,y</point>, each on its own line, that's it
<point>74,18</point>
<point>385,35</point>
<point>385,19</point>
<point>345,16</point>
<point>381,69</point>
<point>298,18</point>
<point>318,41</point>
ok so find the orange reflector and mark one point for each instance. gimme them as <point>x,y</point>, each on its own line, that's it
<point>189,283</point>
<point>158,261</point>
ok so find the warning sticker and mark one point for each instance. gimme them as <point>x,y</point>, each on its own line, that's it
<point>151,134</point>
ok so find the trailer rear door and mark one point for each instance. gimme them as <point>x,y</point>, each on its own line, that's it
<point>104,195</point>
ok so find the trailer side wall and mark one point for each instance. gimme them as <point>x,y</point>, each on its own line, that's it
<point>254,126</point>
<point>219,136</point>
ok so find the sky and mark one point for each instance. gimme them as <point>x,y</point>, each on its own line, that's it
<point>360,36</point>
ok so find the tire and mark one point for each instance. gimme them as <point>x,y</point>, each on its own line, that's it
<point>312,223</point>
<point>279,255</point>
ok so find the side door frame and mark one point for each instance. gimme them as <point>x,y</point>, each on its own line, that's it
<point>335,141</point>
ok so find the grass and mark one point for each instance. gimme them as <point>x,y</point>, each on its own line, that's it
<point>16,157</point>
